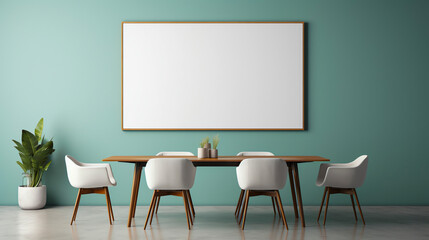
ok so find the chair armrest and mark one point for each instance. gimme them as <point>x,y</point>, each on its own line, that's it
<point>110,174</point>
<point>94,164</point>
<point>322,173</point>
<point>102,165</point>
<point>89,177</point>
<point>343,176</point>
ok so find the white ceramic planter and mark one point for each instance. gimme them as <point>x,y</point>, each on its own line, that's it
<point>31,198</point>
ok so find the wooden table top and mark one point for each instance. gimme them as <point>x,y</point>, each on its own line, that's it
<point>220,161</point>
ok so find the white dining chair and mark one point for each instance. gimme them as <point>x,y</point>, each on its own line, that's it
<point>175,154</point>
<point>262,176</point>
<point>170,176</point>
<point>239,206</point>
<point>256,154</point>
<point>342,178</point>
<point>90,178</point>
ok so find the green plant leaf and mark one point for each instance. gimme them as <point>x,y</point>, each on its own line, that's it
<point>34,153</point>
<point>29,142</point>
<point>36,178</point>
<point>204,141</point>
<point>45,168</point>
<point>34,164</point>
<point>39,129</point>
<point>26,160</point>
<point>216,141</point>
<point>42,154</point>
<point>19,147</point>
<point>22,166</point>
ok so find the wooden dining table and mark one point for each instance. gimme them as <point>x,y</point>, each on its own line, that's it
<point>222,161</point>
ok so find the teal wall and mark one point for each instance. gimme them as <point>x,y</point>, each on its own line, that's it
<point>367,83</point>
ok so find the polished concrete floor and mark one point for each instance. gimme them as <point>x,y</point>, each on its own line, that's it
<point>408,223</point>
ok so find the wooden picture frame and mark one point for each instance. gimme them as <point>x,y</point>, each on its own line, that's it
<point>298,100</point>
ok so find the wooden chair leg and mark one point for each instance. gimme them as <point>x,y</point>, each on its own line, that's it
<point>353,204</point>
<point>243,205</point>
<point>185,202</point>
<point>111,209</point>
<point>110,204</point>
<point>107,204</point>
<point>277,204</point>
<point>80,193</point>
<point>245,209</point>
<point>153,209</point>
<point>278,209</point>
<point>150,208</point>
<point>282,212</point>
<point>188,206</point>
<point>240,200</point>
<point>241,210</point>
<point>360,210</point>
<point>327,203</point>
<point>189,209</point>
<point>157,204</point>
<point>190,202</point>
<point>274,206</point>
<point>76,206</point>
<point>321,205</point>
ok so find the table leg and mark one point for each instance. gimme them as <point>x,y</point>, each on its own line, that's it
<point>298,192</point>
<point>134,191</point>
<point>292,189</point>
<point>137,194</point>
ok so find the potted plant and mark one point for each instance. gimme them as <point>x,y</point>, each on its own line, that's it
<point>213,151</point>
<point>34,152</point>
<point>203,151</point>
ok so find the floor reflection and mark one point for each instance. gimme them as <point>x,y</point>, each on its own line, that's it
<point>155,231</point>
<point>214,222</point>
<point>279,231</point>
<point>33,222</point>
<point>132,231</point>
<point>74,231</point>
<point>357,231</point>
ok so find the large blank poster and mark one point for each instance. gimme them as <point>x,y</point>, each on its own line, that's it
<point>212,76</point>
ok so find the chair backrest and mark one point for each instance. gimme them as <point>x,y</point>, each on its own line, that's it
<point>247,154</point>
<point>170,174</point>
<point>174,154</point>
<point>262,174</point>
<point>360,164</point>
<point>72,166</point>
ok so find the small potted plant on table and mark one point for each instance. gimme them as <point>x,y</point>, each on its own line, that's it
<point>203,150</point>
<point>34,152</point>
<point>214,151</point>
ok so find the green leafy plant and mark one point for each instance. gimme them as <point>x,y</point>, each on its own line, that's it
<point>34,152</point>
<point>216,141</point>
<point>204,141</point>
